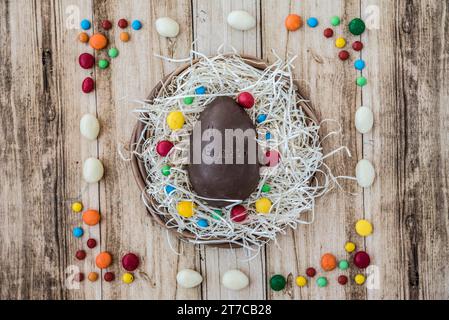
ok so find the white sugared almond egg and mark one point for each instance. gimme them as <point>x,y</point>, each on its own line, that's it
<point>364,119</point>
<point>241,20</point>
<point>92,170</point>
<point>235,280</point>
<point>167,27</point>
<point>365,173</point>
<point>89,126</point>
<point>188,278</point>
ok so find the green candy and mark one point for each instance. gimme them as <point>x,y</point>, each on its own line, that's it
<point>103,64</point>
<point>277,282</point>
<point>356,26</point>
<point>166,170</point>
<point>335,21</point>
<point>343,265</point>
<point>361,81</point>
<point>266,188</point>
<point>217,215</point>
<point>321,282</point>
<point>113,52</point>
<point>188,100</point>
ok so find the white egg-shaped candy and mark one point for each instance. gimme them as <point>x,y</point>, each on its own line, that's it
<point>364,119</point>
<point>241,20</point>
<point>92,170</point>
<point>365,173</point>
<point>167,27</point>
<point>189,278</point>
<point>235,280</point>
<point>89,126</point>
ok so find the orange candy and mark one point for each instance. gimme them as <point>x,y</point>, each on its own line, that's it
<point>103,260</point>
<point>83,37</point>
<point>328,262</point>
<point>293,22</point>
<point>124,36</point>
<point>91,217</point>
<point>93,276</point>
<point>98,41</point>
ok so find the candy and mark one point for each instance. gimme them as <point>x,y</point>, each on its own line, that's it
<point>88,85</point>
<point>77,207</point>
<point>113,53</point>
<point>312,22</point>
<point>130,261</point>
<point>106,24</point>
<point>365,174</point>
<point>311,272</point>
<point>364,119</point>
<point>261,118</point>
<point>103,64</point>
<point>364,228</point>
<point>278,282</point>
<point>79,277</point>
<point>241,20</point>
<point>103,260</point>
<point>328,33</point>
<point>238,213</point>
<point>357,46</point>
<point>217,214</point>
<point>350,247</point>
<point>359,279</point>
<point>86,60</point>
<point>98,41</point>
<point>343,264</point>
<point>80,254</point>
<point>188,100</point>
<point>122,23</point>
<point>272,158</point>
<point>263,205</point>
<point>91,217</point>
<point>293,22</point>
<point>235,280</point>
<point>124,36</point>
<point>127,278</point>
<point>164,147</point>
<point>169,189</point>
<point>93,276</point>
<point>200,90</point>
<point>356,26</point>
<point>267,136</point>
<point>342,280</point>
<point>85,24</point>
<point>343,55</point>
<point>188,278</point>
<point>91,243</point>
<point>136,25</point>
<point>83,37</point>
<point>89,126</point>
<point>359,64</point>
<point>166,170</point>
<point>361,81</point>
<point>109,276</point>
<point>175,120</point>
<point>92,170</point>
<point>335,21</point>
<point>186,208</point>
<point>340,42</point>
<point>203,223</point>
<point>328,262</point>
<point>78,232</point>
<point>266,188</point>
<point>321,282</point>
<point>301,281</point>
<point>167,27</point>
<point>246,100</point>
<point>361,260</point>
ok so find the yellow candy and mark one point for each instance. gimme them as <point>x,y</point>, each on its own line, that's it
<point>301,281</point>
<point>364,228</point>
<point>175,120</point>
<point>263,205</point>
<point>359,279</point>
<point>185,208</point>
<point>350,247</point>
<point>340,42</point>
<point>77,207</point>
<point>127,278</point>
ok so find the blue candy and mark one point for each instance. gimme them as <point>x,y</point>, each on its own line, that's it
<point>359,64</point>
<point>261,118</point>
<point>200,90</point>
<point>312,22</point>
<point>85,24</point>
<point>203,223</point>
<point>78,232</point>
<point>136,25</point>
<point>267,136</point>
<point>169,189</point>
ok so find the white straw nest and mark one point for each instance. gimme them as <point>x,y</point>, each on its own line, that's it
<point>295,182</point>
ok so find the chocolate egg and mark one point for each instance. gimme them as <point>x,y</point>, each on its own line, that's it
<point>224,163</point>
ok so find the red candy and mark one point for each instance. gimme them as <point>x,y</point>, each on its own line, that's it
<point>361,259</point>
<point>88,85</point>
<point>164,147</point>
<point>272,158</point>
<point>91,243</point>
<point>79,277</point>
<point>80,254</point>
<point>328,33</point>
<point>342,280</point>
<point>246,100</point>
<point>130,262</point>
<point>357,46</point>
<point>122,23</point>
<point>86,60</point>
<point>343,55</point>
<point>106,24</point>
<point>109,276</point>
<point>238,213</point>
<point>311,272</point>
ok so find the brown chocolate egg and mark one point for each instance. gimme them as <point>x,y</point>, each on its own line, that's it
<point>224,163</point>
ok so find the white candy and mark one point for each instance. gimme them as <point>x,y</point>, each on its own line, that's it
<point>92,170</point>
<point>241,20</point>
<point>189,278</point>
<point>167,27</point>
<point>365,173</point>
<point>364,119</point>
<point>89,127</point>
<point>235,280</point>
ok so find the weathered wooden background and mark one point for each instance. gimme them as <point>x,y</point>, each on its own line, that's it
<point>41,149</point>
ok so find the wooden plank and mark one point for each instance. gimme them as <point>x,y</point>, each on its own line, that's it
<point>211,30</point>
<point>330,85</point>
<point>126,225</point>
